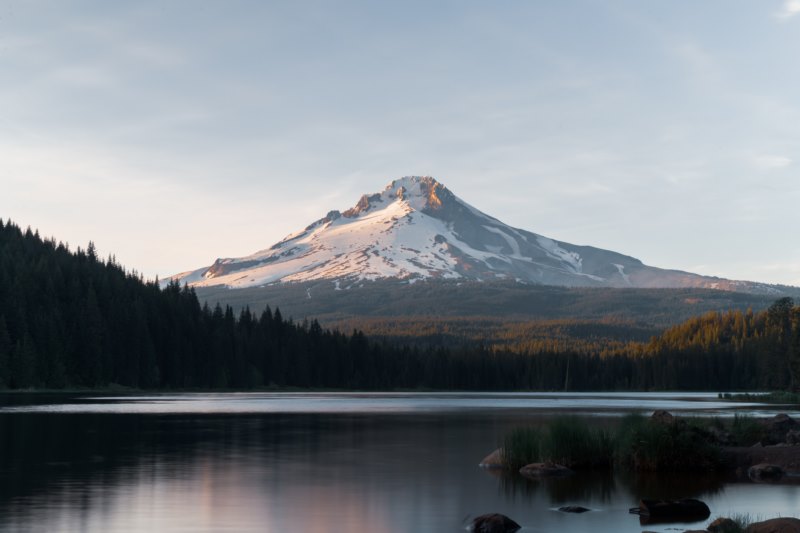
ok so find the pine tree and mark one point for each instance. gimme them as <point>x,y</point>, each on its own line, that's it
<point>5,354</point>
<point>794,351</point>
<point>779,329</point>
<point>23,364</point>
<point>92,329</point>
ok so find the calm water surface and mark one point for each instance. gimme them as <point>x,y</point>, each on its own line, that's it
<point>324,462</point>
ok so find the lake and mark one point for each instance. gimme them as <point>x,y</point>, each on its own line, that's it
<point>320,462</point>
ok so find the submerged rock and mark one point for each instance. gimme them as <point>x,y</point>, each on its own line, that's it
<point>573,509</point>
<point>547,469</point>
<point>494,523</point>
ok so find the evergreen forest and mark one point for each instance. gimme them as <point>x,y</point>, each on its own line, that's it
<point>69,319</point>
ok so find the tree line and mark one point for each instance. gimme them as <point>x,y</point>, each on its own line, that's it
<point>69,319</point>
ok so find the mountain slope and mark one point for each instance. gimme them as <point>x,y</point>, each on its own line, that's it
<point>418,229</point>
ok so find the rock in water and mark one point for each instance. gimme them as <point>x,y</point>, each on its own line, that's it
<point>765,472</point>
<point>494,523</point>
<point>776,525</point>
<point>548,469</point>
<point>666,510</point>
<point>573,509</point>
<point>493,460</point>
<point>723,525</point>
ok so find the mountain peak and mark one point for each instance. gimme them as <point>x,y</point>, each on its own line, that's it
<point>418,193</point>
<point>415,228</point>
<point>422,188</point>
<point>413,181</point>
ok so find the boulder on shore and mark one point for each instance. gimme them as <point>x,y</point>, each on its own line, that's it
<point>723,525</point>
<point>547,469</point>
<point>494,523</point>
<point>778,427</point>
<point>776,525</point>
<point>662,417</point>
<point>494,460</point>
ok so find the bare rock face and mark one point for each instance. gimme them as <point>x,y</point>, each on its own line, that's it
<point>494,523</point>
<point>548,469</point>
<point>776,525</point>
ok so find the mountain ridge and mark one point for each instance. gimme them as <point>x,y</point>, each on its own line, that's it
<point>416,228</point>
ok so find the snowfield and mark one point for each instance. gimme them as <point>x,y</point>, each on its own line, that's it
<point>417,229</point>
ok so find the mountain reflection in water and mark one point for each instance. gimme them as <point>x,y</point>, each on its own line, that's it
<point>368,471</point>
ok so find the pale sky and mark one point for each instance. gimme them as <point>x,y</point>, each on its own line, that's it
<point>172,133</point>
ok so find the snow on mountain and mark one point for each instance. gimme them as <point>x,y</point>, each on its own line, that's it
<point>417,229</point>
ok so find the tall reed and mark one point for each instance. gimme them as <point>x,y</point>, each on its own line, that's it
<point>568,441</point>
<point>637,442</point>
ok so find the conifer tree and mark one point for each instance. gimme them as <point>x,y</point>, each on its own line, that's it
<point>5,351</point>
<point>779,324</point>
<point>794,351</point>
<point>23,364</point>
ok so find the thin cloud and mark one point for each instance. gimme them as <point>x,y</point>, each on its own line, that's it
<point>771,162</point>
<point>790,9</point>
<point>154,55</point>
<point>83,76</point>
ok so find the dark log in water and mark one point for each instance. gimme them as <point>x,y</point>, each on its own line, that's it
<point>687,509</point>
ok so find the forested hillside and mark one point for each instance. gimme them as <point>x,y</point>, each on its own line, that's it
<point>71,319</point>
<point>765,345</point>
<point>335,302</point>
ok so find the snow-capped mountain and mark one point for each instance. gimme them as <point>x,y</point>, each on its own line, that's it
<point>417,229</point>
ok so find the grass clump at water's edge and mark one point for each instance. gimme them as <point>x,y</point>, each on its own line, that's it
<point>746,430</point>
<point>522,446</point>
<point>651,445</point>
<point>638,442</point>
<point>567,441</point>
<point>742,520</point>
